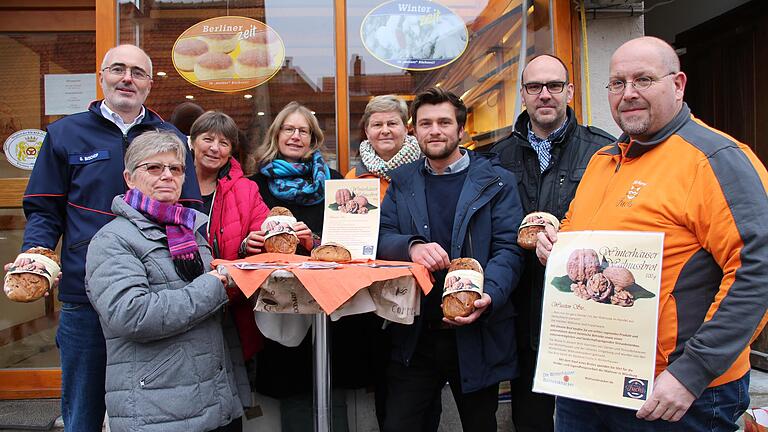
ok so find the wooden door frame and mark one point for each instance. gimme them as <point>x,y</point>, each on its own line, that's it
<point>31,16</point>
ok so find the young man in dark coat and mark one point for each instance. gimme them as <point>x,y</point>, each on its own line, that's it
<point>548,152</point>
<point>452,203</point>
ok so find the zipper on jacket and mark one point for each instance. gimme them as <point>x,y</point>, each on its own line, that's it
<point>162,366</point>
<point>469,204</point>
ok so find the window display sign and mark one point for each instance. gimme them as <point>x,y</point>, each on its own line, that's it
<point>228,54</point>
<point>599,317</point>
<point>414,35</point>
<point>22,148</point>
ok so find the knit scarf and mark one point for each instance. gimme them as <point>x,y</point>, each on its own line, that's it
<point>381,168</point>
<point>302,183</point>
<point>179,224</point>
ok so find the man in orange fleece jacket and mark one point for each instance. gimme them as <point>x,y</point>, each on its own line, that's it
<point>669,172</point>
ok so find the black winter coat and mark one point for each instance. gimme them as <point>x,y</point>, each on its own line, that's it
<point>550,191</point>
<point>282,371</point>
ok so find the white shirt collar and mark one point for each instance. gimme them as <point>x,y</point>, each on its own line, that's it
<point>117,120</point>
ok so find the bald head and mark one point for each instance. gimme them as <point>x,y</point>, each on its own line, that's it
<point>546,93</point>
<point>643,112</point>
<point>130,49</point>
<point>549,62</point>
<point>661,50</point>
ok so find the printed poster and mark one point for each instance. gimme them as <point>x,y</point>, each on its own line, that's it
<point>414,35</point>
<point>228,54</point>
<point>599,317</point>
<point>352,214</point>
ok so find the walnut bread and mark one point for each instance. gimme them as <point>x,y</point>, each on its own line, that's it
<point>32,280</point>
<point>533,224</point>
<point>463,285</point>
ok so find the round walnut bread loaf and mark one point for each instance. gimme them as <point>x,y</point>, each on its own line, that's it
<point>331,252</point>
<point>533,224</point>
<point>461,303</point>
<point>28,287</point>
<point>285,243</point>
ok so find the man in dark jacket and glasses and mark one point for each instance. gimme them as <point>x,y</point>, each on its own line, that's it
<point>548,152</point>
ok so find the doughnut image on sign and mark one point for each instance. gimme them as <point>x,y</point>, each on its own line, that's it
<point>228,54</point>
<point>187,52</point>
<point>417,35</point>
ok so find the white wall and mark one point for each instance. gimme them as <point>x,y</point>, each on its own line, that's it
<point>605,33</point>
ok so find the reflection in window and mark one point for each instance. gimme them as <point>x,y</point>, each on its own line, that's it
<point>485,75</point>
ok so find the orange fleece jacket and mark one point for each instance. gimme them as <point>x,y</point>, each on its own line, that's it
<point>707,193</point>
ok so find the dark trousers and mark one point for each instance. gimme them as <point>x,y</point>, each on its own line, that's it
<point>83,354</point>
<point>412,389</point>
<point>716,410</point>
<point>531,412</point>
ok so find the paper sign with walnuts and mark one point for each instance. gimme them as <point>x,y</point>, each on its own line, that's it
<point>352,214</point>
<point>599,317</point>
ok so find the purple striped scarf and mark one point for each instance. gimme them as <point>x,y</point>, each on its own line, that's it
<point>178,221</point>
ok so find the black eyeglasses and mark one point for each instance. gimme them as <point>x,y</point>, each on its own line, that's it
<point>642,83</point>
<point>554,87</point>
<point>157,168</point>
<point>119,70</point>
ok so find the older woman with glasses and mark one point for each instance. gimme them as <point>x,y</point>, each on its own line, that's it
<point>388,145</point>
<point>168,365</point>
<point>234,208</point>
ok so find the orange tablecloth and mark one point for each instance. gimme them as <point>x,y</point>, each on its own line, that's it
<point>329,287</point>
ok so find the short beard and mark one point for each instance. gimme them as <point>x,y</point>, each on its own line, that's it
<point>635,128</point>
<point>442,154</point>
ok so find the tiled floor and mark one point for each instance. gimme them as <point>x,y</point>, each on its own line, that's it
<point>364,420</point>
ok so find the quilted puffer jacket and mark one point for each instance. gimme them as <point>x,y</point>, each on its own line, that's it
<point>168,365</point>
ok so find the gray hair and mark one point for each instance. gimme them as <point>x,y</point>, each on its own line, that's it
<point>382,104</point>
<point>109,52</point>
<point>153,143</point>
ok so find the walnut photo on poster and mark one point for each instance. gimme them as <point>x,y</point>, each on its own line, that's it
<point>592,279</point>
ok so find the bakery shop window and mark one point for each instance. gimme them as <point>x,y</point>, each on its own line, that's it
<point>299,34</point>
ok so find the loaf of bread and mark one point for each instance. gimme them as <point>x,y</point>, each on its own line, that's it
<point>460,292</point>
<point>282,242</point>
<point>30,282</point>
<point>331,252</point>
<point>533,224</point>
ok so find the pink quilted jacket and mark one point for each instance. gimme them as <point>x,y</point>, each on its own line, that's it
<point>237,210</point>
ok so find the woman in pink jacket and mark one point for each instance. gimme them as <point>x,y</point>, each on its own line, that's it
<point>233,205</point>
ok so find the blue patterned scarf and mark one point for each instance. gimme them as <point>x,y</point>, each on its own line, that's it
<point>302,183</point>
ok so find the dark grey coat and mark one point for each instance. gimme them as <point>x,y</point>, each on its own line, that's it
<point>168,365</point>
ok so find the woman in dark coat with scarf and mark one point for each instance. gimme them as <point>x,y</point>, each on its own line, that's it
<point>292,174</point>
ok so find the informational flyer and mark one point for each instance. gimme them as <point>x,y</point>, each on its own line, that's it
<point>68,93</point>
<point>352,214</point>
<point>599,317</point>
